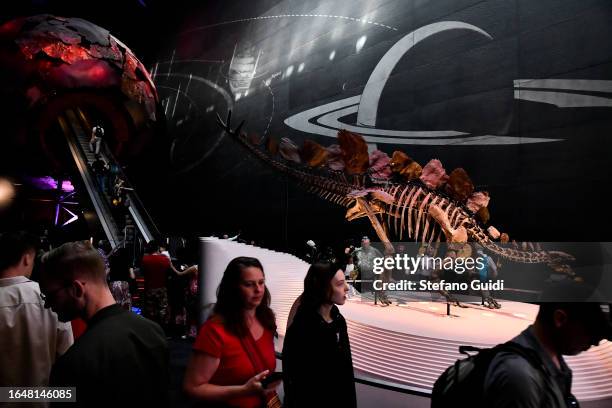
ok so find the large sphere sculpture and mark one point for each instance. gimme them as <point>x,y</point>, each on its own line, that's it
<point>49,64</point>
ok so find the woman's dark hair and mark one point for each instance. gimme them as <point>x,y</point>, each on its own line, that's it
<point>230,305</point>
<point>317,285</point>
<point>152,247</point>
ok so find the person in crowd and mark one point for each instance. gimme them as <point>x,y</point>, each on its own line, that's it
<point>101,170</point>
<point>426,264</point>
<point>191,303</point>
<point>317,362</point>
<point>78,327</point>
<point>234,350</point>
<point>104,249</point>
<point>95,142</point>
<point>350,268</point>
<point>120,193</point>
<point>227,237</point>
<point>364,260</point>
<point>122,358</point>
<point>560,328</point>
<point>31,336</point>
<point>121,278</point>
<point>155,268</point>
<point>484,272</point>
<point>163,249</point>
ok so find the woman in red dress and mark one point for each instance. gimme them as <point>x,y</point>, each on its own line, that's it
<point>234,350</point>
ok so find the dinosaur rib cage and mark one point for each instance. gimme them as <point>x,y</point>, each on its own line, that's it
<point>409,213</point>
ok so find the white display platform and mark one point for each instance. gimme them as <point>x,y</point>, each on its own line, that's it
<point>409,343</point>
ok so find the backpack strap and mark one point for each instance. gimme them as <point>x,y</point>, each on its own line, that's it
<point>530,355</point>
<point>467,349</point>
<point>535,361</point>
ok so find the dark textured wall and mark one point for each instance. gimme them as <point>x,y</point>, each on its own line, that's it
<point>457,86</point>
<point>540,148</point>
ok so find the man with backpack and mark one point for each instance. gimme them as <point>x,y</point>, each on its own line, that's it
<point>544,379</point>
<point>529,371</point>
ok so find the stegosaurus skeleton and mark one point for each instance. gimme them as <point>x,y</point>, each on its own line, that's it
<point>424,214</point>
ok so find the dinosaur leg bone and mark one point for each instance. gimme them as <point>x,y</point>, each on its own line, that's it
<point>452,235</point>
<point>376,224</point>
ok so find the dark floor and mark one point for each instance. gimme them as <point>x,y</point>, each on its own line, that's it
<point>180,350</point>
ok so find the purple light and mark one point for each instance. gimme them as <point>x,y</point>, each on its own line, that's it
<point>44,183</point>
<point>67,186</point>
<point>49,183</point>
<point>57,209</point>
<point>71,220</point>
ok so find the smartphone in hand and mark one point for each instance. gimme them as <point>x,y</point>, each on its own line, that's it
<point>271,378</point>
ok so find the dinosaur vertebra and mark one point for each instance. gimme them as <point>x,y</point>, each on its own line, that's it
<point>424,214</point>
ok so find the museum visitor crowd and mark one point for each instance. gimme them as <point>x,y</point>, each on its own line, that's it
<point>119,358</point>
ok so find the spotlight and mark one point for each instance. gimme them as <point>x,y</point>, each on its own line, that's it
<point>360,43</point>
<point>289,71</point>
<point>7,192</point>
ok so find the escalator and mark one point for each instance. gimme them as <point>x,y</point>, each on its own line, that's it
<point>122,224</point>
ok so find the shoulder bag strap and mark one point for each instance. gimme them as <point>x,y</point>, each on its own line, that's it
<point>254,354</point>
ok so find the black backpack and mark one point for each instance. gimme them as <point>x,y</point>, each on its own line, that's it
<point>462,384</point>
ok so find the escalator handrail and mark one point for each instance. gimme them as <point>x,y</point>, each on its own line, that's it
<point>100,204</point>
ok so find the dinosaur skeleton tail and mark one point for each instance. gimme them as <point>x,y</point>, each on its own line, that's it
<point>532,257</point>
<point>332,187</point>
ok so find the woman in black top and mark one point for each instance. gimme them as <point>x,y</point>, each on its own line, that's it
<point>317,363</point>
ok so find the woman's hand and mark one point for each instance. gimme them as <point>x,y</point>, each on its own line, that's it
<point>253,386</point>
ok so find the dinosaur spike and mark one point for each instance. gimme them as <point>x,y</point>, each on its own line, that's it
<point>272,146</point>
<point>239,128</point>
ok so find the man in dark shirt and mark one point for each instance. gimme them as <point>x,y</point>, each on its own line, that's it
<point>122,358</point>
<point>560,329</point>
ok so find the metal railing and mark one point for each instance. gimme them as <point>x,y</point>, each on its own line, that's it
<point>138,213</point>
<point>73,131</point>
